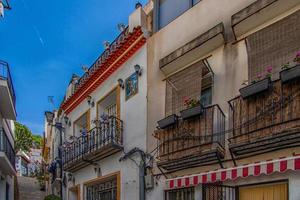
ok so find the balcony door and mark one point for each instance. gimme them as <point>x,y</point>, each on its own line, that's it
<point>109,105</point>
<point>82,125</point>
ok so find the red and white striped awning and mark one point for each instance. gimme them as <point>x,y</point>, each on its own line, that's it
<point>255,169</point>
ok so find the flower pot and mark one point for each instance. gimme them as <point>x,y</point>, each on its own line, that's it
<point>256,88</point>
<point>191,112</point>
<point>290,74</point>
<point>168,121</point>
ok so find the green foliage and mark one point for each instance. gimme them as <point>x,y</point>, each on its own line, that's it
<point>52,197</point>
<point>23,137</point>
<point>38,141</point>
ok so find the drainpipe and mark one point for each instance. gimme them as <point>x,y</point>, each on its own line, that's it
<point>142,180</point>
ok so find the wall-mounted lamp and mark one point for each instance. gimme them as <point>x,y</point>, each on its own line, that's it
<point>67,120</point>
<point>121,83</point>
<point>70,177</point>
<point>138,69</point>
<point>97,169</point>
<point>90,101</point>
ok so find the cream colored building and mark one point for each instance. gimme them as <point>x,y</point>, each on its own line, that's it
<point>233,147</point>
<point>7,115</point>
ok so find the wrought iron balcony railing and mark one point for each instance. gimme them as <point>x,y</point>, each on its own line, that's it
<point>103,140</point>
<point>5,75</point>
<point>193,142</point>
<point>6,147</point>
<point>266,122</point>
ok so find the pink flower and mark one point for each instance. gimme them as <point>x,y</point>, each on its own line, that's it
<point>259,76</point>
<point>269,69</point>
<point>298,54</point>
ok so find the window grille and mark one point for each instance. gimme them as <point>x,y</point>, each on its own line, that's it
<point>274,46</point>
<point>102,191</point>
<point>111,110</point>
<point>218,192</point>
<point>181,194</point>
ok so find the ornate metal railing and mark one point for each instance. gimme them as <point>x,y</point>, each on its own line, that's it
<point>192,137</point>
<point>5,75</point>
<point>6,147</point>
<point>105,134</point>
<point>270,117</point>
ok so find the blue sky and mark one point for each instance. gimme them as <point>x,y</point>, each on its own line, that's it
<point>45,42</point>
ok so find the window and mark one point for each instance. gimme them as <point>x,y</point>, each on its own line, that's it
<point>102,191</point>
<point>171,9</point>
<point>109,104</point>
<point>206,97</point>
<point>273,46</point>
<point>181,194</point>
<point>193,82</point>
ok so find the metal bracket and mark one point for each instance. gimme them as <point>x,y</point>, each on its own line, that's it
<point>232,158</point>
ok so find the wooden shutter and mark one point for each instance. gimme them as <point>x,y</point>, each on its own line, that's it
<point>186,83</point>
<point>264,192</point>
<point>274,45</point>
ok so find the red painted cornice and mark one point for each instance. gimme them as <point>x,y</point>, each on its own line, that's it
<point>126,45</point>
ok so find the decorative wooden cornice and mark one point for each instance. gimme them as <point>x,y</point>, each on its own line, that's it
<point>111,59</point>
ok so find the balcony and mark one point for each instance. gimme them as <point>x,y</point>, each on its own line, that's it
<point>266,122</point>
<point>193,142</point>
<point>100,142</point>
<point>7,154</point>
<point>7,93</point>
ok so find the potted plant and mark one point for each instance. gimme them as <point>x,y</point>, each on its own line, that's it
<point>257,86</point>
<point>193,108</point>
<point>168,121</point>
<point>291,73</point>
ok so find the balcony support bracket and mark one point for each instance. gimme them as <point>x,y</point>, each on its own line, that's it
<point>232,157</point>
<point>220,160</point>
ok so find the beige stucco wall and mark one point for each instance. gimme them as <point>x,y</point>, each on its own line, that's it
<point>229,64</point>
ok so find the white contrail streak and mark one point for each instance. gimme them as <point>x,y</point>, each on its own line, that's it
<point>36,30</point>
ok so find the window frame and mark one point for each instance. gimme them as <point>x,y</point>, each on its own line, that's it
<point>103,179</point>
<point>157,25</point>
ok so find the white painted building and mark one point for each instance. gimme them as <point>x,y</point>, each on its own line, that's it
<point>104,121</point>
<point>7,114</point>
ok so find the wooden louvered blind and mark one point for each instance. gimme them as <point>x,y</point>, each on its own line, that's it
<point>274,45</point>
<point>186,83</point>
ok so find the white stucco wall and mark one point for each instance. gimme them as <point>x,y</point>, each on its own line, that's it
<point>133,114</point>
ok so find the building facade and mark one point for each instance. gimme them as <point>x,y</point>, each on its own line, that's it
<point>7,114</point>
<point>212,115</point>
<point>103,150</point>
<point>222,113</point>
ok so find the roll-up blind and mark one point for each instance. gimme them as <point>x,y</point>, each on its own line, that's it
<point>186,83</point>
<point>273,46</point>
